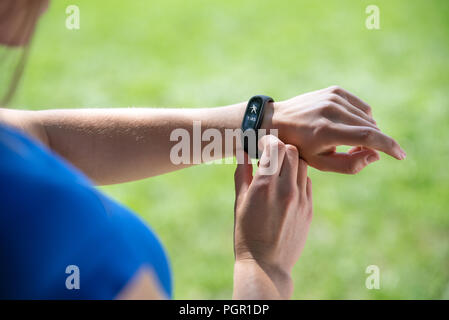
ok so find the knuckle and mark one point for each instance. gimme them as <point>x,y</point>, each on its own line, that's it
<point>335,89</point>
<point>261,184</point>
<point>333,98</point>
<point>276,144</point>
<point>393,144</point>
<point>291,150</point>
<point>368,109</point>
<point>329,108</point>
<point>367,135</point>
<point>280,145</point>
<point>322,127</point>
<point>323,109</point>
<point>353,168</point>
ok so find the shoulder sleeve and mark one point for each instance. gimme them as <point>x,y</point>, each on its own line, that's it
<point>52,233</point>
<point>60,238</point>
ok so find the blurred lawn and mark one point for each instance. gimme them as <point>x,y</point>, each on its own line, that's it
<point>204,53</point>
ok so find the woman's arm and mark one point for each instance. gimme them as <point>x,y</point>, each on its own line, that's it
<point>118,145</point>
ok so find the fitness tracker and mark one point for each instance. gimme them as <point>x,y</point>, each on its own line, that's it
<point>252,120</point>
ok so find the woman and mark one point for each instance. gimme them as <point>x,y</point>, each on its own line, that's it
<point>53,218</point>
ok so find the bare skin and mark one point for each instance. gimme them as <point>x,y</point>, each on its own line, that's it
<point>142,286</point>
<point>18,19</point>
<point>272,219</point>
<point>319,121</point>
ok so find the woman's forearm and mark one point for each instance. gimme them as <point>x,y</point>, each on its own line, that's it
<point>252,281</point>
<point>118,145</point>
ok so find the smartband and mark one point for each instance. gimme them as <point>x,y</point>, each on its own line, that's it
<point>252,121</point>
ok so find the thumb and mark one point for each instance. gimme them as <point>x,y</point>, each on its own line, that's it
<point>350,163</point>
<point>243,176</point>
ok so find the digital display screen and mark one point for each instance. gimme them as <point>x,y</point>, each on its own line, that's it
<point>252,113</point>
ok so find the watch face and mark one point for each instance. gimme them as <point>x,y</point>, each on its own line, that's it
<point>252,114</point>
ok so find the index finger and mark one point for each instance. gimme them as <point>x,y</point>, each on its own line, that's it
<point>367,137</point>
<point>272,157</point>
<point>289,170</point>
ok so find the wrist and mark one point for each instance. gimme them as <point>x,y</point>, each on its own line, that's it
<point>269,119</point>
<point>280,278</point>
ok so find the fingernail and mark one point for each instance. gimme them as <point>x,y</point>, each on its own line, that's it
<point>403,154</point>
<point>371,158</point>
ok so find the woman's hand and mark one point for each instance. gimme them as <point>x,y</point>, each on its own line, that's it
<point>319,121</point>
<point>272,217</point>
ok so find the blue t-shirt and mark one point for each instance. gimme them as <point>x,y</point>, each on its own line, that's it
<point>56,228</point>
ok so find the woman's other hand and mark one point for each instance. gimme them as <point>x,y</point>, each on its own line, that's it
<point>272,217</point>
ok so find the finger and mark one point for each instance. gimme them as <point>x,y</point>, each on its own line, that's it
<point>355,101</point>
<point>366,137</point>
<point>351,108</point>
<point>289,170</point>
<point>359,148</point>
<point>273,152</point>
<point>349,163</point>
<point>302,176</point>
<point>243,176</point>
<point>355,149</point>
<point>309,190</point>
<point>351,119</point>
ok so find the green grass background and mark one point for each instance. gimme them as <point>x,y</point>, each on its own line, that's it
<point>196,53</point>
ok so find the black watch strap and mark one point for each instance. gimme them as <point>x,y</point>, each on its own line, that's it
<point>252,121</point>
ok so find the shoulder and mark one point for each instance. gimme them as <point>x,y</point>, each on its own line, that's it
<point>51,217</point>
